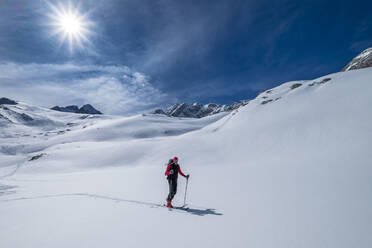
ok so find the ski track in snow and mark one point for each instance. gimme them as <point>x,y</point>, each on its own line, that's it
<point>190,210</point>
<point>13,172</point>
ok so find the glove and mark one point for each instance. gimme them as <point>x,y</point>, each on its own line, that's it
<point>187,176</point>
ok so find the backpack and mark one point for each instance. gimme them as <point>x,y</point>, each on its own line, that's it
<point>169,162</point>
<point>175,173</point>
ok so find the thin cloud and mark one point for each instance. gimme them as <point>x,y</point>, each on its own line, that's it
<point>112,89</point>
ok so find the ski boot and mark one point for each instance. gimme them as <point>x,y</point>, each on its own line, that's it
<point>169,204</point>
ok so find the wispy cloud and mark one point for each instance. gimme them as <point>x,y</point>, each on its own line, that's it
<point>112,89</point>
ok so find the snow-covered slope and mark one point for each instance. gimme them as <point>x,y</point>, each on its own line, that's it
<point>290,169</point>
<point>28,130</point>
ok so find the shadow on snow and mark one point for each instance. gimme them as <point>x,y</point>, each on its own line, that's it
<point>7,189</point>
<point>202,212</point>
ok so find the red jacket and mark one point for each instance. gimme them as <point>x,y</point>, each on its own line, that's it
<point>167,172</point>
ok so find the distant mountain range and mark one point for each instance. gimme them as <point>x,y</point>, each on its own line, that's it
<point>85,109</point>
<point>197,110</point>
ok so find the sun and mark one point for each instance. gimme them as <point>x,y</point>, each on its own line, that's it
<point>72,27</point>
<point>71,24</point>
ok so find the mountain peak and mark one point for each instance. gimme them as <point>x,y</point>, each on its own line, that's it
<point>4,100</point>
<point>85,109</point>
<point>89,109</point>
<point>363,60</point>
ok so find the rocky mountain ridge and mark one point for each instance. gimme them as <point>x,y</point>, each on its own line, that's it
<point>8,101</point>
<point>363,60</point>
<point>85,109</point>
<point>198,110</point>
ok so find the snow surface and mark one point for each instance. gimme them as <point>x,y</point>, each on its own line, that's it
<point>291,172</point>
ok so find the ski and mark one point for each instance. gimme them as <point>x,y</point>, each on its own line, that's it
<point>184,207</point>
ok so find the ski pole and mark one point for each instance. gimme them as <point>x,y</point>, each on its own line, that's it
<point>184,199</point>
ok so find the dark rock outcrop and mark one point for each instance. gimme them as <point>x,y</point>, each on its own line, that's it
<point>37,156</point>
<point>4,100</point>
<point>26,117</point>
<point>88,109</point>
<point>85,109</point>
<point>71,108</point>
<point>294,86</point>
<point>159,112</point>
<point>197,110</point>
<point>363,60</point>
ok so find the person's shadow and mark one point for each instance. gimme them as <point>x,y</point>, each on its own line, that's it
<point>202,212</point>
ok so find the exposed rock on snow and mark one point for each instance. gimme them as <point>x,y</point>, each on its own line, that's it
<point>267,101</point>
<point>4,100</point>
<point>70,109</point>
<point>26,117</point>
<point>323,81</point>
<point>4,120</point>
<point>197,110</point>
<point>88,109</point>
<point>85,109</point>
<point>363,60</point>
<point>36,156</point>
<point>160,112</point>
<point>294,86</point>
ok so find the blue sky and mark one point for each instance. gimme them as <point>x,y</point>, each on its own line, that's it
<point>141,54</point>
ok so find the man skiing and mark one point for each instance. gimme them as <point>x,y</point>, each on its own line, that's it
<point>172,171</point>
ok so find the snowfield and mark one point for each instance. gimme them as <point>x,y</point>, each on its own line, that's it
<point>290,169</point>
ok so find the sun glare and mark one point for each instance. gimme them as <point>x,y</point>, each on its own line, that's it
<point>70,25</point>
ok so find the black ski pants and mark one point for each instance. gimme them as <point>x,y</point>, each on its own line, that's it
<point>172,188</point>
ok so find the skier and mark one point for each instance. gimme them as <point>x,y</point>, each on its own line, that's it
<point>172,171</point>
